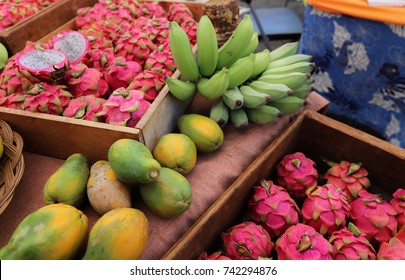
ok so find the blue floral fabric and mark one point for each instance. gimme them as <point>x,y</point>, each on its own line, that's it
<point>360,69</point>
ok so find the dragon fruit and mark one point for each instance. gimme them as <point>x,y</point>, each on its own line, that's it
<point>326,209</point>
<point>46,98</point>
<point>218,255</point>
<point>87,107</point>
<point>190,26</point>
<point>12,13</point>
<point>86,81</point>
<point>14,101</point>
<point>134,46</point>
<point>272,207</point>
<point>394,249</point>
<point>398,202</point>
<point>151,10</point>
<point>350,177</point>
<point>161,61</point>
<point>99,59</point>
<point>47,65</point>
<point>121,72</point>
<point>374,216</point>
<point>15,79</point>
<point>297,173</point>
<point>349,243</point>
<point>125,107</point>
<point>302,242</point>
<point>156,28</point>
<point>179,12</point>
<point>247,241</point>
<point>72,43</point>
<point>149,82</point>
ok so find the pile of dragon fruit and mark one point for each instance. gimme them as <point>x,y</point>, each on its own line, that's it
<point>14,11</point>
<point>304,215</point>
<point>110,69</point>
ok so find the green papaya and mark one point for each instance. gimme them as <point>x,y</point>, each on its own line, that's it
<point>133,162</point>
<point>68,183</point>
<point>169,196</point>
<point>53,232</point>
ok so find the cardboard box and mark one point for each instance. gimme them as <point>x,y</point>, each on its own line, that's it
<point>318,137</point>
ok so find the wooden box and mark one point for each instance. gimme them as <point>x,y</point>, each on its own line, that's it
<point>59,137</point>
<point>317,136</point>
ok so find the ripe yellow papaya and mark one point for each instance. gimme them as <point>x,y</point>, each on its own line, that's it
<point>169,196</point>
<point>67,184</point>
<point>120,234</point>
<point>53,232</point>
<point>104,191</point>
<point>133,162</point>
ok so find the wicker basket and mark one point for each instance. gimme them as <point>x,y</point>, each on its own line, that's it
<point>11,164</point>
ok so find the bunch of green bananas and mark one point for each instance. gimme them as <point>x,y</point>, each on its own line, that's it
<point>245,85</point>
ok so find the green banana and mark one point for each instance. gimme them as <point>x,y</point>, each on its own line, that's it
<point>308,82</point>
<point>235,46</point>
<point>284,50</point>
<point>303,66</point>
<point>252,46</point>
<point>289,60</point>
<point>275,91</point>
<point>263,115</point>
<point>219,112</point>
<point>215,86</point>
<point>239,118</point>
<point>291,80</point>
<point>207,47</point>
<point>182,90</point>
<point>288,104</point>
<point>241,70</point>
<point>303,91</point>
<point>262,59</point>
<point>253,98</point>
<point>233,98</point>
<point>182,52</point>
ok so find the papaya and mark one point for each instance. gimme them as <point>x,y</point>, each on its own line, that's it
<point>104,191</point>
<point>133,162</point>
<point>169,196</point>
<point>176,151</point>
<point>206,134</point>
<point>120,234</point>
<point>67,184</point>
<point>53,232</point>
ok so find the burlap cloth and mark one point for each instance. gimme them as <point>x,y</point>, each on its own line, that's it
<point>212,175</point>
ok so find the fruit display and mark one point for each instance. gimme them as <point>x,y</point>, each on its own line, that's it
<point>308,216</point>
<point>245,85</point>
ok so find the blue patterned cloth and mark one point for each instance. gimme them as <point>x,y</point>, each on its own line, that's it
<point>360,69</point>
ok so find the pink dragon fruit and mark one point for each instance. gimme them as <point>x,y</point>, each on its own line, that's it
<point>190,26</point>
<point>87,107</point>
<point>350,177</point>
<point>15,101</point>
<point>297,173</point>
<point>394,249</point>
<point>161,61</point>
<point>134,46</point>
<point>99,59</point>
<point>326,209</point>
<point>149,82</point>
<point>398,202</point>
<point>12,13</point>
<point>72,43</point>
<point>349,243</point>
<point>247,241</point>
<point>151,10</point>
<point>125,107</point>
<point>121,72</point>
<point>272,207</point>
<point>374,216</point>
<point>14,79</point>
<point>302,242</point>
<point>46,98</point>
<point>47,65</point>
<point>86,81</point>
<point>218,255</point>
<point>179,12</point>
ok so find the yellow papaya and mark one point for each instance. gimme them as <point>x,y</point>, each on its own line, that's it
<point>120,234</point>
<point>67,184</point>
<point>104,191</point>
<point>53,232</point>
<point>169,196</point>
<point>133,162</point>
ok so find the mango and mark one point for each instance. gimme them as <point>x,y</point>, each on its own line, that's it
<point>169,196</point>
<point>53,232</point>
<point>206,134</point>
<point>133,162</point>
<point>120,234</point>
<point>67,184</point>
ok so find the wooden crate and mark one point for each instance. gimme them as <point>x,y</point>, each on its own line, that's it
<point>37,26</point>
<point>317,136</point>
<point>59,137</point>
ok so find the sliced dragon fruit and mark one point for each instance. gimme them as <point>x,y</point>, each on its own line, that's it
<point>48,65</point>
<point>73,43</point>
